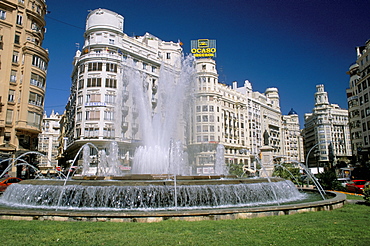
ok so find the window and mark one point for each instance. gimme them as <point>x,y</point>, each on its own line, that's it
<point>37,80</point>
<point>33,119</point>
<point>109,115</point>
<point>98,37</point>
<point>168,55</point>
<point>111,83</point>
<point>93,98</point>
<point>110,99</point>
<point>79,100</point>
<point>81,68</point>
<point>11,96</point>
<point>205,108</point>
<point>93,115</point>
<point>81,84</point>
<point>13,76</point>
<point>19,19</point>
<point>9,117</point>
<point>35,27</point>
<point>108,131</point>
<point>91,132</point>
<point>198,108</point>
<point>16,39</point>
<point>35,99</point>
<point>111,67</point>
<point>199,128</point>
<point>15,57</point>
<point>2,14</point>
<point>95,66</point>
<point>39,62</point>
<point>94,82</point>
<point>111,41</point>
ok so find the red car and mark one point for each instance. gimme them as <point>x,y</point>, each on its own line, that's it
<point>356,186</point>
<point>5,182</point>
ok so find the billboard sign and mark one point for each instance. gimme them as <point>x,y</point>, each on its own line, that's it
<point>203,48</point>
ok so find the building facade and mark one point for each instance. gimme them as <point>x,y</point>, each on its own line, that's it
<point>237,118</point>
<point>102,107</point>
<point>292,138</point>
<point>49,142</point>
<point>327,130</point>
<point>359,104</point>
<point>23,66</point>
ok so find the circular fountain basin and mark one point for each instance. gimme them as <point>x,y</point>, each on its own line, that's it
<point>139,211</point>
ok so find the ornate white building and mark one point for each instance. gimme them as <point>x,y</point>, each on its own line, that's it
<point>358,97</point>
<point>293,141</point>
<point>48,142</point>
<point>327,129</point>
<point>237,118</point>
<point>100,108</point>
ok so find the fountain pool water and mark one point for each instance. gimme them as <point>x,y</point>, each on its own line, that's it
<point>160,180</point>
<point>149,194</point>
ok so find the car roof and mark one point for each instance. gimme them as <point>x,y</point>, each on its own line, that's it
<point>2,179</point>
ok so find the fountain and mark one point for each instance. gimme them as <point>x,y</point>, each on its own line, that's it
<point>160,185</point>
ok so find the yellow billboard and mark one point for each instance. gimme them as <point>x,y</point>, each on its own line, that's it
<point>203,48</point>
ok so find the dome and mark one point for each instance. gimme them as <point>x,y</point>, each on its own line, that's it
<point>292,112</point>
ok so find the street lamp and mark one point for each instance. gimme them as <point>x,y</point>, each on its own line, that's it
<point>309,152</point>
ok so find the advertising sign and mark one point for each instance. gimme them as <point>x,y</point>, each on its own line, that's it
<point>203,48</point>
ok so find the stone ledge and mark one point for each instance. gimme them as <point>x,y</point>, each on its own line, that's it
<point>184,215</point>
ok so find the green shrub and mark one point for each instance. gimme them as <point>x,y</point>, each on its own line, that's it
<point>367,195</point>
<point>328,180</point>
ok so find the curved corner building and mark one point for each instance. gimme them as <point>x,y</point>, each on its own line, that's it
<point>23,65</point>
<point>100,109</point>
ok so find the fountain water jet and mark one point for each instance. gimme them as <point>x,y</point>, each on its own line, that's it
<point>161,155</point>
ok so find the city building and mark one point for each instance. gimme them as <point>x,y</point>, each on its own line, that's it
<point>358,95</point>
<point>23,66</point>
<point>293,141</point>
<point>236,117</point>
<point>102,108</point>
<point>326,133</point>
<point>49,142</point>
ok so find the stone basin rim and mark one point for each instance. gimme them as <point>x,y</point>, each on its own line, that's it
<point>337,201</point>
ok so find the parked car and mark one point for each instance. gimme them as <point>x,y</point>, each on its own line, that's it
<point>356,186</point>
<point>5,182</point>
<point>344,181</point>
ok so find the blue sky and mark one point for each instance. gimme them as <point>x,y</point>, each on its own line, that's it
<point>289,44</point>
